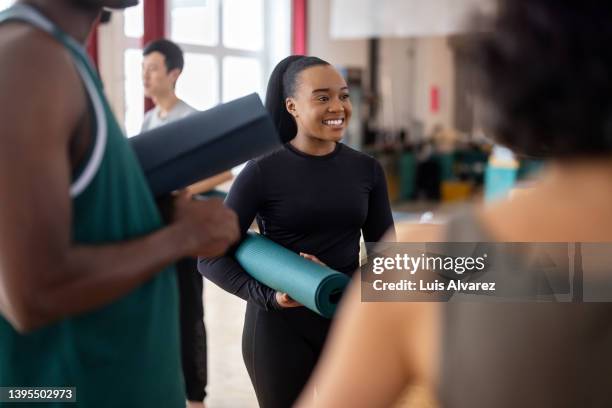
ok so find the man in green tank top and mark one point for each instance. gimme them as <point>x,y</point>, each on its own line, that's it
<point>87,299</point>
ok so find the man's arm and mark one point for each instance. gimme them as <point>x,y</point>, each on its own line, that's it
<point>43,275</point>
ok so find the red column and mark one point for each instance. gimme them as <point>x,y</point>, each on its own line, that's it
<point>434,99</point>
<point>92,45</point>
<point>300,27</point>
<point>154,27</point>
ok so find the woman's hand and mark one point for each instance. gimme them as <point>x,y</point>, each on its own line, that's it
<point>285,301</point>
<point>312,258</point>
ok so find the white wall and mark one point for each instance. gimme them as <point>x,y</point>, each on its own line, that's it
<point>397,83</point>
<point>404,18</point>
<point>347,53</point>
<point>434,67</point>
<point>110,50</point>
<point>409,68</point>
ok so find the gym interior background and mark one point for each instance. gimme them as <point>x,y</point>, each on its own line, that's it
<point>410,85</point>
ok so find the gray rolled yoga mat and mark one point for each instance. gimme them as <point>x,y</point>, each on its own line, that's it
<point>206,143</point>
<point>317,287</point>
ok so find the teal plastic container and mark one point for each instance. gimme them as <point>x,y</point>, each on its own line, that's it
<point>498,182</point>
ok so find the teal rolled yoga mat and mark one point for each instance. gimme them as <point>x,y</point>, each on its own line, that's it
<point>317,287</point>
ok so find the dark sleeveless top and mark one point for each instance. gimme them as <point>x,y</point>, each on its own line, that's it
<point>126,353</point>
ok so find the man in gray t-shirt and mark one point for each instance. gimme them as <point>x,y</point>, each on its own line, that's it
<point>157,116</point>
<point>162,65</point>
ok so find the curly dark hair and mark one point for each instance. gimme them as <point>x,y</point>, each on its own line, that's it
<point>545,70</point>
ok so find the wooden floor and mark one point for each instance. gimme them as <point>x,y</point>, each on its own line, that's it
<point>228,382</point>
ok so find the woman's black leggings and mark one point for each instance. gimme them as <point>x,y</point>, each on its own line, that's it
<point>280,350</point>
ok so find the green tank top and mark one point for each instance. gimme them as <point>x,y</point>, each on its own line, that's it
<point>126,353</point>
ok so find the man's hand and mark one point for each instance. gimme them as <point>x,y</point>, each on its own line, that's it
<point>210,227</point>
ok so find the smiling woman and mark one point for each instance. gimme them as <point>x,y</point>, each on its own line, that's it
<point>318,99</point>
<point>315,196</point>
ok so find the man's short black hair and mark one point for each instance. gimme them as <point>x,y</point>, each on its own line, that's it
<point>173,55</point>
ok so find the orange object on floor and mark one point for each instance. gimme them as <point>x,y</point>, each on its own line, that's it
<point>455,191</point>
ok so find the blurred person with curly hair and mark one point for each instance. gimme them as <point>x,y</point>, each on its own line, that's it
<point>544,69</point>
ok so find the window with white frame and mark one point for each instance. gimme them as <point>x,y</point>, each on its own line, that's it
<point>133,90</point>
<point>230,48</point>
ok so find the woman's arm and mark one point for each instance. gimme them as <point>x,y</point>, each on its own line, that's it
<point>245,198</point>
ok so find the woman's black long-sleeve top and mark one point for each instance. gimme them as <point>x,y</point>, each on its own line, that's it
<point>318,205</point>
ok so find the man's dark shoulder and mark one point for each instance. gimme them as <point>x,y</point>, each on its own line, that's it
<point>32,62</point>
<point>36,70</point>
<point>27,46</point>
